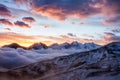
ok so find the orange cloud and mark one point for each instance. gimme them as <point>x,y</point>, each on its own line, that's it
<point>7,38</point>
<point>50,12</point>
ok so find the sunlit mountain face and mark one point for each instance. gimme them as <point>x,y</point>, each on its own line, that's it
<point>57,21</point>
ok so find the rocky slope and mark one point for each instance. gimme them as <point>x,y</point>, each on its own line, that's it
<point>98,64</point>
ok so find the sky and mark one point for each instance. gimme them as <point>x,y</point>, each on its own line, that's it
<point>57,21</point>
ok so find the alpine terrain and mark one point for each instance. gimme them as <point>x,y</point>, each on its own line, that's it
<point>98,64</point>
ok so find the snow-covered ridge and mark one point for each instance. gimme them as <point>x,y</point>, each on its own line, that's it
<point>98,64</point>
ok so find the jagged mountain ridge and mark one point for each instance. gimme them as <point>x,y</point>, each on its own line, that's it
<point>99,64</point>
<point>38,46</point>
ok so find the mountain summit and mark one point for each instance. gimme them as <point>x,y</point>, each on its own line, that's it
<point>14,45</point>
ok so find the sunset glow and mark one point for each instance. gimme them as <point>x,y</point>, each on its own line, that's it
<point>57,21</point>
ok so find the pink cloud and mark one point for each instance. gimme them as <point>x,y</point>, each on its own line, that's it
<point>8,29</point>
<point>110,37</point>
<point>6,22</point>
<point>4,11</point>
<point>62,9</point>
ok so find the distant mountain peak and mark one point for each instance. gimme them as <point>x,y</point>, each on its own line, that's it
<point>73,45</point>
<point>37,46</point>
<point>14,45</point>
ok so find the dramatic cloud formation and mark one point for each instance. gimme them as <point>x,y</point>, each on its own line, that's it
<point>4,11</point>
<point>6,22</point>
<point>62,9</point>
<point>28,19</point>
<point>21,24</point>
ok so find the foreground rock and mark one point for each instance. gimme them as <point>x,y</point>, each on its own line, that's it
<point>98,64</point>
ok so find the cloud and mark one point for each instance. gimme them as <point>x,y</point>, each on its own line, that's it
<point>62,9</point>
<point>110,8</point>
<point>21,24</point>
<point>112,20</point>
<point>71,34</point>
<point>108,34</point>
<point>4,11</point>
<point>87,35</point>
<point>28,19</point>
<point>8,29</point>
<point>110,37</point>
<point>23,40</point>
<point>6,22</point>
<point>46,26</point>
<point>117,30</point>
<point>10,58</point>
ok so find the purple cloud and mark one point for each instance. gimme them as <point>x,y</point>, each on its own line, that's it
<point>116,30</point>
<point>21,24</point>
<point>6,22</point>
<point>111,37</point>
<point>62,9</point>
<point>4,11</point>
<point>112,20</point>
<point>28,19</point>
<point>71,34</point>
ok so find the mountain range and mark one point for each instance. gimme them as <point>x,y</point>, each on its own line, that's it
<point>98,64</point>
<point>38,46</point>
